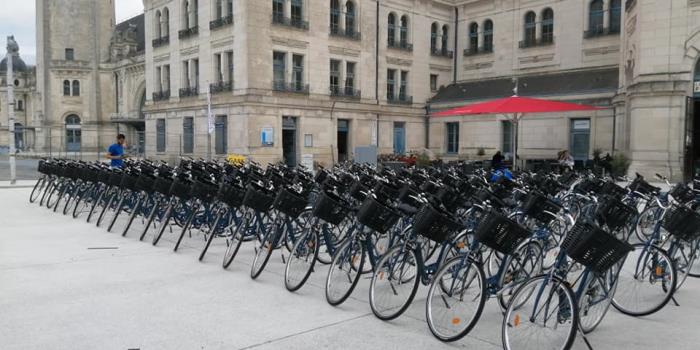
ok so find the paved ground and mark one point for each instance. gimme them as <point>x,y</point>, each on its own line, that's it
<point>26,168</point>
<point>65,284</point>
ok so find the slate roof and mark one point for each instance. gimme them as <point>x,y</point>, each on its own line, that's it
<point>140,30</point>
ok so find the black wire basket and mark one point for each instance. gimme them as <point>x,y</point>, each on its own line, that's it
<point>448,196</point>
<point>72,172</point>
<point>88,174</point>
<point>682,222</point>
<point>614,190</point>
<point>289,203</point>
<point>44,167</point>
<point>181,189</point>
<point>204,190</point>
<point>589,186</point>
<point>320,176</point>
<point>408,195</point>
<point>640,185</point>
<point>103,176</point>
<point>435,224</point>
<point>500,233</point>
<point>386,191</point>
<point>376,215</point>
<point>257,198</point>
<point>330,208</point>
<point>540,208</point>
<point>549,186</point>
<point>115,178</point>
<point>358,191</point>
<point>128,181</point>
<point>593,247</point>
<point>162,185</point>
<point>682,193</point>
<point>614,213</point>
<point>231,194</point>
<point>484,194</point>
<point>145,183</point>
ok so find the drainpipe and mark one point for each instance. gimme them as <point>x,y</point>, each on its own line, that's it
<point>454,70</point>
<point>376,72</point>
<point>427,126</point>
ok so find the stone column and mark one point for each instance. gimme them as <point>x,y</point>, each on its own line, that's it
<point>606,14</point>
<point>287,8</point>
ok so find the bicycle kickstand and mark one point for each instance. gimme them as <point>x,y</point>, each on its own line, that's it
<point>673,298</point>
<point>282,255</point>
<point>585,340</point>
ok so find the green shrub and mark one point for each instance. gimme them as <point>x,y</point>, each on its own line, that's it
<point>480,151</point>
<point>620,164</point>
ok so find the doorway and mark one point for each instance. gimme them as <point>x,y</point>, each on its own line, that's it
<point>73,133</point>
<point>692,151</point>
<point>19,137</point>
<point>399,138</point>
<point>342,139</point>
<point>289,141</point>
<point>580,139</point>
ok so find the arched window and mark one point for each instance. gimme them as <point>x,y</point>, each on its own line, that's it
<point>73,133</point>
<point>185,14</point>
<point>596,13</point>
<point>404,31</point>
<point>66,88</point>
<point>547,26</point>
<point>218,13</point>
<point>615,15</point>
<point>488,36</point>
<point>335,16</point>
<point>530,29</point>
<point>391,29</point>
<point>433,37</point>
<point>76,88</point>
<point>473,38</point>
<point>445,36</point>
<point>165,22</point>
<point>157,24</point>
<point>194,17</point>
<point>350,18</point>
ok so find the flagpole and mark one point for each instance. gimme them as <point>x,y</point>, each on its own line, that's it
<point>210,122</point>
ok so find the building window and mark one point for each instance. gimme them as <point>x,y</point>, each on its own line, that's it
<point>157,24</point>
<point>165,27</point>
<point>218,73</point>
<point>473,38</point>
<point>433,37</point>
<point>229,61</point>
<point>488,36</point>
<point>278,11</point>
<point>279,69</point>
<point>160,135</point>
<point>187,135</point>
<point>66,88</point>
<point>433,82</point>
<point>73,133</point>
<point>298,72</point>
<point>547,26</point>
<point>195,83</point>
<point>403,88</point>
<point>70,55</point>
<point>530,29</point>
<point>335,16</point>
<point>297,13</point>
<point>595,17</point>
<point>335,77</point>
<point>452,138</point>
<point>403,31</point>
<point>166,78</point>
<point>350,18</point>
<point>445,36</point>
<point>229,7</point>
<point>20,105</point>
<point>615,15</point>
<point>221,134</point>
<point>391,30</point>
<point>350,78</point>
<point>507,137</point>
<point>76,88</point>
<point>218,11</point>
<point>390,83</point>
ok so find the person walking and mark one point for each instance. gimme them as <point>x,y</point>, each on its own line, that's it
<point>115,152</point>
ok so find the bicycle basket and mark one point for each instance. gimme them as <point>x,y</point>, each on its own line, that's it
<point>484,194</point>
<point>128,181</point>
<point>71,172</point>
<point>642,186</point>
<point>682,223</point>
<point>44,167</point>
<point>145,183</point>
<point>567,179</point>
<point>230,194</point>
<point>162,185</point>
<point>682,193</point>
<point>614,213</point>
<point>257,198</point>
<point>88,174</point>
<point>289,203</point>
<point>594,248</point>
<point>613,190</point>
<point>448,196</point>
<point>115,178</point>
<point>550,186</point>
<point>589,186</point>
<point>103,176</point>
<point>386,191</point>
<point>204,190</point>
<point>321,176</point>
<point>358,191</point>
<point>500,233</point>
<point>376,215</point>
<point>539,207</point>
<point>406,195</point>
<point>434,224</point>
<point>181,189</point>
<point>330,208</point>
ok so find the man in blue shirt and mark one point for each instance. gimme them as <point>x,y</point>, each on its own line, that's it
<point>116,152</point>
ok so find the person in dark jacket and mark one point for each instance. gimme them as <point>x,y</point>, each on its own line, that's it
<point>497,161</point>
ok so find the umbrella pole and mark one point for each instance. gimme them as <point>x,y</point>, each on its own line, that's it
<point>514,140</point>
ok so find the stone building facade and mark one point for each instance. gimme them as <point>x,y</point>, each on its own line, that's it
<point>24,86</point>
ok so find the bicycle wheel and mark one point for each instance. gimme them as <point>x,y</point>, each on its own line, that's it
<point>596,297</point>
<point>45,192</point>
<point>117,211</point>
<point>134,213</point>
<point>571,203</point>
<point>394,282</point>
<point>84,201</point>
<point>267,245</point>
<point>106,207</point>
<point>694,270</point>
<point>233,243</point>
<point>646,223</point>
<point>95,203</point>
<point>335,236</point>
<point>683,255</point>
<point>187,225</point>
<point>646,282</point>
<point>164,223</point>
<point>456,299</point>
<point>65,189</point>
<point>73,196</point>
<point>36,191</point>
<point>301,260</point>
<point>55,191</point>
<point>212,233</point>
<point>542,315</point>
<point>525,263</point>
<point>151,217</point>
<point>344,271</point>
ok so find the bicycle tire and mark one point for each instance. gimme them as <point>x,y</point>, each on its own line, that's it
<point>186,227</point>
<point>105,208</point>
<point>237,239</point>
<point>46,191</point>
<point>36,191</point>
<point>402,260</point>
<point>300,253</point>
<point>345,251</point>
<point>534,255</point>
<point>94,205</point>
<point>88,193</point>
<point>262,254</point>
<point>132,216</point>
<point>211,234</point>
<point>591,295</point>
<point>117,211</point>
<point>149,221</point>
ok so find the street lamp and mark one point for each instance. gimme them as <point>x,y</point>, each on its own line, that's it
<point>12,49</point>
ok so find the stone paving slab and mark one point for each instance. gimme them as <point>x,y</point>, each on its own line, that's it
<point>59,292</point>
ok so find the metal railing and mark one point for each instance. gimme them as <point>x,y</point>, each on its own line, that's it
<point>221,86</point>
<point>126,116</point>
<point>545,41</point>
<point>598,32</point>
<point>189,32</point>
<point>400,45</point>
<point>161,95</point>
<point>189,91</point>
<point>399,99</point>
<point>221,22</point>
<point>295,87</point>
<point>162,41</point>
<point>478,51</point>
<point>290,22</point>
<point>442,53</point>
<point>347,33</point>
<point>346,92</point>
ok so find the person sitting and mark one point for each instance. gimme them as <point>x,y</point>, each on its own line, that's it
<point>566,161</point>
<point>497,161</point>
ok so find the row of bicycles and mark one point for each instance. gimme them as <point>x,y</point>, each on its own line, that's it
<point>554,251</point>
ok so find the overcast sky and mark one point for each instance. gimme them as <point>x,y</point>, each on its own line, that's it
<point>17,18</point>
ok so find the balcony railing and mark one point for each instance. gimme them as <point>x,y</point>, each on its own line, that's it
<point>442,53</point>
<point>400,45</point>
<point>524,44</point>
<point>295,87</point>
<point>478,51</point>
<point>162,41</point>
<point>346,92</point>
<point>221,86</point>
<point>189,32</point>
<point>161,95</point>
<point>598,32</point>
<point>399,99</point>
<point>126,116</point>
<point>347,33</point>
<point>221,22</point>
<point>290,22</point>
<point>189,92</point>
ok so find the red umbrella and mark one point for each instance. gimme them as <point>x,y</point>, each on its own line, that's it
<point>516,106</point>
